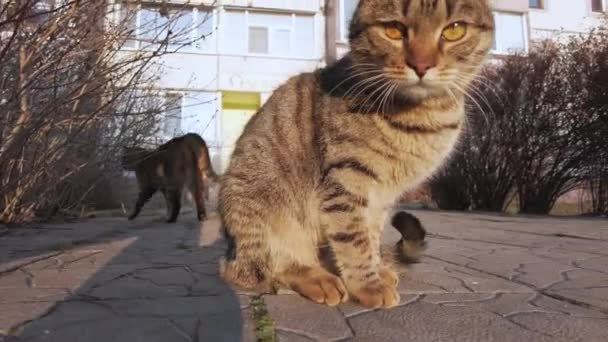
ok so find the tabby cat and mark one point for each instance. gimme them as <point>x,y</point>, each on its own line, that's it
<point>181,162</point>
<point>324,160</point>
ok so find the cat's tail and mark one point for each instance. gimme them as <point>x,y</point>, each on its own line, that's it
<point>412,244</point>
<point>132,157</point>
<point>199,148</point>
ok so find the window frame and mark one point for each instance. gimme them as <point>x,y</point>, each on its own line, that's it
<point>166,119</point>
<point>541,5</point>
<point>525,29</point>
<point>196,10</point>
<point>343,36</point>
<point>603,4</point>
<point>272,29</point>
<point>249,39</point>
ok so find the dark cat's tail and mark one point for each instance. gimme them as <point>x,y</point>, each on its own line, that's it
<point>201,155</point>
<point>412,244</point>
<point>132,157</point>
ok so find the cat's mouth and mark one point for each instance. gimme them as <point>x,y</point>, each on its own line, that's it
<point>420,89</point>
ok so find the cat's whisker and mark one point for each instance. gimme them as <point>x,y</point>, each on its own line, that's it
<point>491,87</point>
<point>470,97</point>
<point>358,84</point>
<point>389,95</point>
<point>370,84</point>
<point>479,93</point>
<point>371,95</point>
<point>362,88</point>
<point>350,77</point>
<point>452,95</point>
<point>381,97</point>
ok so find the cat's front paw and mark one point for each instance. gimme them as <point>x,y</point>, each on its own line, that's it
<point>378,294</point>
<point>388,275</point>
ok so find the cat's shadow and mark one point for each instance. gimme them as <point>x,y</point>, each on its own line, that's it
<point>163,286</point>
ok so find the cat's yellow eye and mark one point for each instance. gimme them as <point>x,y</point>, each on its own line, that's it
<point>393,33</point>
<point>454,32</point>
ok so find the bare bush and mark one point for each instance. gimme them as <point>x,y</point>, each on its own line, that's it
<point>71,97</point>
<point>536,129</point>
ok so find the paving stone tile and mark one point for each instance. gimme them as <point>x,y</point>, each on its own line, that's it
<point>295,314</point>
<point>598,263</point>
<point>13,315</point>
<point>28,295</point>
<point>484,277</point>
<point>563,327</point>
<point>428,322</point>
<point>285,336</point>
<point>554,305</point>
<point>351,309</point>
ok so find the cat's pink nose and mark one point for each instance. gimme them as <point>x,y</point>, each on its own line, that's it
<point>421,68</point>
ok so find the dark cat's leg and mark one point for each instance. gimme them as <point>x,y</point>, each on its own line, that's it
<point>144,196</point>
<point>412,244</point>
<point>199,195</point>
<point>173,200</point>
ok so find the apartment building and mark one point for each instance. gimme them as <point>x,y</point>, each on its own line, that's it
<point>249,48</point>
<point>518,22</point>
<point>555,18</point>
<point>252,46</point>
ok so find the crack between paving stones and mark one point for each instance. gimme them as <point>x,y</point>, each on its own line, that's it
<point>537,296</point>
<point>417,299</point>
<point>462,282</point>
<point>541,291</point>
<point>564,278</point>
<point>576,264</point>
<point>573,301</point>
<point>510,320</point>
<point>464,301</point>
<point>445,237</point>
<point>298,333</point>
<point>347,318</point>
<point>180,330</point>
<point>30,262</point>
<point>159,285</point>
<point>132,274</point>
<point>196,337</point>
<point>519,272</point>
<point>559,235</point>
<point>17,328</point>
<point>62,266</point>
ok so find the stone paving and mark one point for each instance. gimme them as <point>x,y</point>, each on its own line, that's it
<point>483,278</point>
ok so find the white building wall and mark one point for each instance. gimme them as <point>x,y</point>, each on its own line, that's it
<point>222,62</point>
<point>240,70</point>
<point>562,17</point>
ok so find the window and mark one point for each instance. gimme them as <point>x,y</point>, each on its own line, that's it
<point>597,6</point>
<point>172,122</point>
<point>272,34</point>
<point>179,26</point>
<point>510,33</point>
<point>258,40</point>
<point>536,4</point>
<point>347,10</point>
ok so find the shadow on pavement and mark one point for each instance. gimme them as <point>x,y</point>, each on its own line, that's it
<point>111,280</point>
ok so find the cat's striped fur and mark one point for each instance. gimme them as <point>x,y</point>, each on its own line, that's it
<point>324,160</point>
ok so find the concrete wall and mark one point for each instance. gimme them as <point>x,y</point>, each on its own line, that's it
<point>510,5</point>
<point>295,5</point>
<point>565,16</point>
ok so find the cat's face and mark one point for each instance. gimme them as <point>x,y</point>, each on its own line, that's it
<point>420,48</point>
